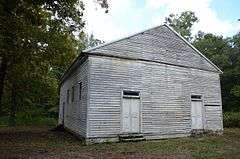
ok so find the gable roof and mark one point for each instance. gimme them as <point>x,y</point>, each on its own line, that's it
<point>159,44</point>
<point>116,48</point>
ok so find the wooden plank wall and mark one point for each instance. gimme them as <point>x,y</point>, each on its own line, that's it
<point>75,112</point>
<point>165,96</point>
<point>158,44</point>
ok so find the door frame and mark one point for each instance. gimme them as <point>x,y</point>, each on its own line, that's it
<point>121,110</point>
<point>202,109</point>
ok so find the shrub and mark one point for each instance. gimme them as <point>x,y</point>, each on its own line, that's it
<point>34,120</point>
<point>231,119</point>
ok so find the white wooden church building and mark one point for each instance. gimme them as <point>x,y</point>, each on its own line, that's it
<point>150,85</point>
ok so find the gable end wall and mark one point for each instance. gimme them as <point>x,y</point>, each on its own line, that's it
<point>159,44</point>
<point>165,96</point>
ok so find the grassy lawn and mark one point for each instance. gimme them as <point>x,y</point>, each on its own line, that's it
<point>40,142</point>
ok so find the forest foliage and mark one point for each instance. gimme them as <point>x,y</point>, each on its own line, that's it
<point>40,39</point>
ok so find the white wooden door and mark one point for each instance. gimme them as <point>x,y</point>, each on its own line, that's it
<point>197,116</point>
<point>135,105</point>
<point>126,115</point>
<point>130,115</point>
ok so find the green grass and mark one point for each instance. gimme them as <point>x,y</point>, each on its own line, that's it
<point>40,142</point>
<point>231,119</point>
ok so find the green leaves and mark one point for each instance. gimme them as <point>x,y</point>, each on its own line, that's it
<point>236,90</point>
<point>225,53</point>
<point>182,23</point>
<point>215,48</point>
<point>87,41</point>
<point>37,43</point>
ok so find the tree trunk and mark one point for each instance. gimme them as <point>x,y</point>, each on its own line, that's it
<point>3,70</point>
<point>12,119</point>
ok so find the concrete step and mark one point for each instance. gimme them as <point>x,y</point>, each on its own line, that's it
<point>131,137</point>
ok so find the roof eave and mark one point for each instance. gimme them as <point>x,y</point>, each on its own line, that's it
<point>72,66</point>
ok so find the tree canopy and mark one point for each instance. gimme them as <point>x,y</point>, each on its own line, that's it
<point>182,23</point>
<point>37,44</point>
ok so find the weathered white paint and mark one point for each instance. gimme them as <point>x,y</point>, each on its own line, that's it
<point>159,44</point>
<point>197,114</point>
<point>159,65</point>
<point>153,28</point>
<point>130,115</point>
<point>165,96</point>
<point>74,114</point>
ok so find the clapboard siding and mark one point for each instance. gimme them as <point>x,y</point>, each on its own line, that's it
<point>158,63</point>
<point>75,117</point>
<point>158,44</point>
<point>165,96</point>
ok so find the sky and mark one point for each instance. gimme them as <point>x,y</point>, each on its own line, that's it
<point>126,17</point>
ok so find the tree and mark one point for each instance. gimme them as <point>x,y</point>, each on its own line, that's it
<point>89,41</point>
<point>30,38</point>
<point>224,52</point>
<point>234,71</point>
<point>214,47</point>
<point>182,23</point>
<point>36,36</point>
<point>235,57</point>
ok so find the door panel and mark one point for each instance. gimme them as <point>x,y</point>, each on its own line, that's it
<point>130,115</point>
<point>196,113</point>
<point>135,115</point>
<point>126,115</point>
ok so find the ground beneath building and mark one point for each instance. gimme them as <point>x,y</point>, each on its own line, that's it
<point>39,142</point>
